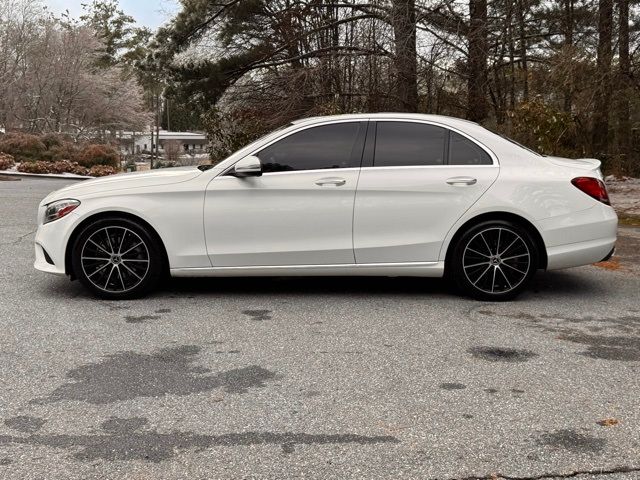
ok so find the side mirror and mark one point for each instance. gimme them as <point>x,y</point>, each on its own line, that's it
<point>248,167</point>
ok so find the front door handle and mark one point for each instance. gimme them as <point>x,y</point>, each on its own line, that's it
<point>462,181</point>
<point>335,181</point>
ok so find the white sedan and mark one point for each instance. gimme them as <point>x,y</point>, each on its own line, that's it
<point>370,194</point>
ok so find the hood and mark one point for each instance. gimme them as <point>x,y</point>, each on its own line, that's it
<point>151,178</point>
<point>585,164</point>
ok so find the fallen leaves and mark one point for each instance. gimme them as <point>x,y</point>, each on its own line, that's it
<point>608,422</point>
<point>613,264</point>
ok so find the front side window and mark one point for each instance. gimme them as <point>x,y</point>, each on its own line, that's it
<point>463,151</point>
<point>409,144</point>
<point>315,148</point>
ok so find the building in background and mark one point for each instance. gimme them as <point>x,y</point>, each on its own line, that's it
<point>143,142</point>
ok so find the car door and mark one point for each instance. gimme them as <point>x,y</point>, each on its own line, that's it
<point>299,212</point>
<point>420,180</point>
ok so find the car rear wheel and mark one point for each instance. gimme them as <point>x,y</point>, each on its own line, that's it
<point>494,260</point>
<point>116,258</point>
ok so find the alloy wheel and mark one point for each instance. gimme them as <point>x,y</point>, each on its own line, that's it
<point>115,259</point>
<point>496,260</point>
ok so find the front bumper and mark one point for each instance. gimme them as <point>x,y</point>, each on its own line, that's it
<point>51,244</point>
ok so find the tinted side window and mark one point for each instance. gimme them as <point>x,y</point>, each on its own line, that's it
<point>463,151</point>
<point>408,143</point>
<point>326,146</point>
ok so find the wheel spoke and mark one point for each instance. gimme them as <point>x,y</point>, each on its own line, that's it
<point>475,251</point>
<point>493,282</point>
<point>109,276</point>
<point>477,264</point>
<point>108,253</point>
<point>505,277</point>
<point>134,273</point>
<point>135,260</point>
<point>135,246</point>
<point>122,241</point>
<point>514,268</point>
<point>481,275</point>
<point>105,259</point>
<point>498,244</point>
<point>515,256</point>
<point>510,245</point>
<point>106,230</point>
<point>485,242</point>
<point>100,269</point>
<point>121,279</point>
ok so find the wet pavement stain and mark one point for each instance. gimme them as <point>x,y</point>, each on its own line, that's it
<point>169,371</point>
<point>5,461</point>
<point>125,439</point>
<point>258,315</point>
<point>452,386</point>
<point>492,391</point>
<point>498,354</point>
<point>140,318</point>
<point>25,424</point>
<point>573,441</point>
<point>163,310</point>
<point>604,347</point>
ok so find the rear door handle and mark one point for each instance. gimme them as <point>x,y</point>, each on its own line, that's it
<point>335,181</point>
<point>462,181</point>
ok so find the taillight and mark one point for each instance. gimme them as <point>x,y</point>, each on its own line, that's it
<point>593,187</point>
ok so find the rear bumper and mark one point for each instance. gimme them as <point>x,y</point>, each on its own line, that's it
<point>576,254</point>
<point>580,238</point>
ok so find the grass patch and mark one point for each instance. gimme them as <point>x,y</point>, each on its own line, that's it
<point>629,220</point>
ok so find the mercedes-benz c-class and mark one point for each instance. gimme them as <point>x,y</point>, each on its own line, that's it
<point>367,194</point>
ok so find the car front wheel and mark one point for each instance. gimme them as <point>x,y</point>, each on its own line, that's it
<point>494,260</point>
<point>116,258</point>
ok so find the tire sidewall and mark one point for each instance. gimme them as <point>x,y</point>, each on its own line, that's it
<point>459,277</point>
<point>156,258</point>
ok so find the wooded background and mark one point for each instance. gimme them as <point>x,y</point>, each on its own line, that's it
<point>558,76</point>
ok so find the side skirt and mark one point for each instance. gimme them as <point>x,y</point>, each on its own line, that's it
<point>414,269</point>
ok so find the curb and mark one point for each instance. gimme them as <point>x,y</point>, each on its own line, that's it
<point>45,175</point>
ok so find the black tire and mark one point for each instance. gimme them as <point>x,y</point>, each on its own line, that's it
<point>118,259</point>
<point>493,260</point>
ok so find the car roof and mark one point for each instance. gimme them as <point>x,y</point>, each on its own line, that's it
<point>442,119</point>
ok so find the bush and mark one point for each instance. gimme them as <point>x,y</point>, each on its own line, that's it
<point>99,155</point>
<point>34,167</point>
<point>64,151</point>
<point>102,171</point>
<point>23,147</point>
<point>66,166</point>
<point>6,161</point>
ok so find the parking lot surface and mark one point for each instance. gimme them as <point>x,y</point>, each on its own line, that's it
<point>316,378</point>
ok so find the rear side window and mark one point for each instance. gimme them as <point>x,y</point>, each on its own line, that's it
<point>408,144</point>
<point>463,151</point>
<point>315,148</point>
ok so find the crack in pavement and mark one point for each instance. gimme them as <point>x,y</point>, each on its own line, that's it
<point>543,476</point>
<point>19,239</point>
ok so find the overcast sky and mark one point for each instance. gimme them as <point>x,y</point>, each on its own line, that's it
<point>150,13</point>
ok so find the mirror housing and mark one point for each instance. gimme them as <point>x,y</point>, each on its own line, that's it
<point>248,167</point>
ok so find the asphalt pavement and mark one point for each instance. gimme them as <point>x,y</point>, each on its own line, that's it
<point>316,378</point>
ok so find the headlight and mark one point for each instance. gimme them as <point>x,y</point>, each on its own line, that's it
<point>60,209</point>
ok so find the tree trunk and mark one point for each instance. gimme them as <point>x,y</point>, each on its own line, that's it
<point>600,133</point>
<point>477,63</point>
<point>567,26</point>
<point>403,19</point>
<point>523,49</point>
<point>624,124</point>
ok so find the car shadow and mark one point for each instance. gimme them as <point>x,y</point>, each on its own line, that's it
<point>557,284</point>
